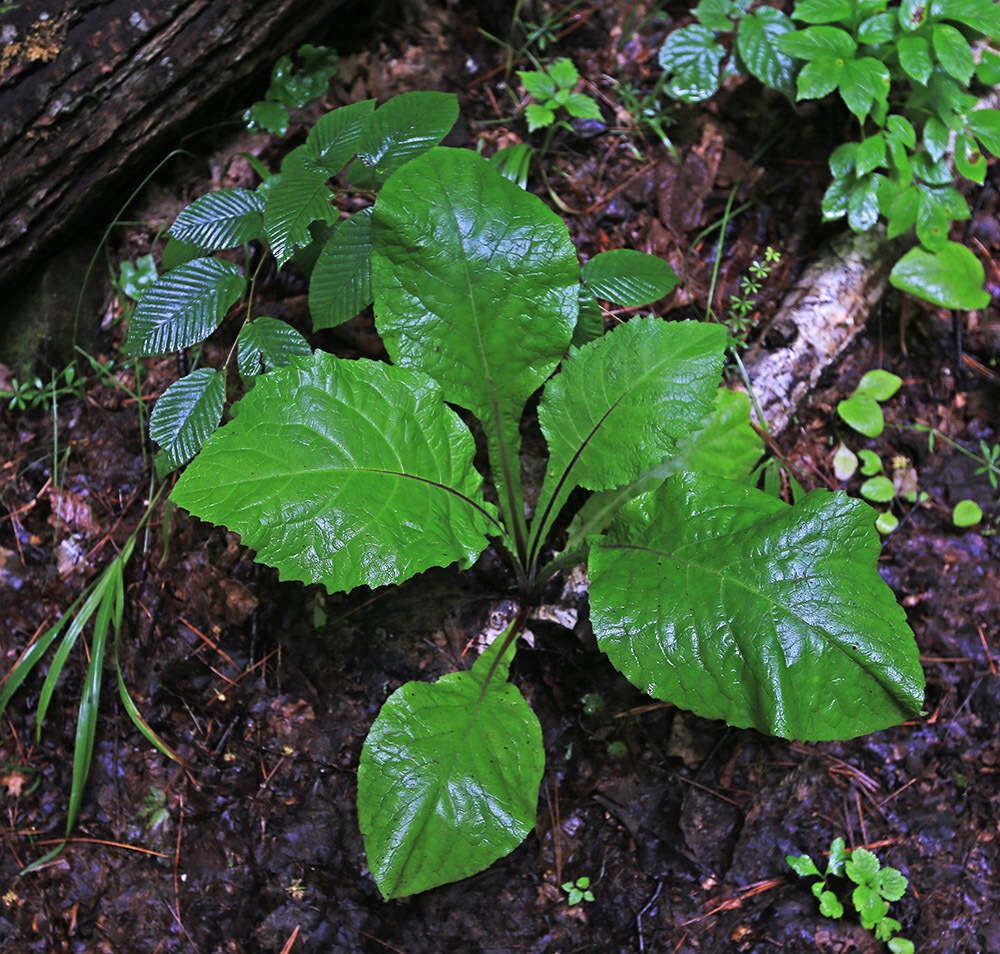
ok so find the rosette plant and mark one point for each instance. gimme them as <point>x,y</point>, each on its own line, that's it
<point>704,591</point>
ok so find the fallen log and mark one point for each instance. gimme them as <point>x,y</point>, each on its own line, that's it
<point>92,92</point>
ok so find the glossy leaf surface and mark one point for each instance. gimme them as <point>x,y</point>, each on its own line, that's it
<point>266,343</point>
<point>628,278</point>
<point>187,412</point>
<point>404,127</point>
<point>448,781</point>
<point>951,276</point>
<point>184,306</point>
<point>336,137</point>
<point>343,472</point>
<point>731,603</point>
<point>341,283</point>
<point>223,219</point>
<point>300,197</point>
<point>475,280</point>
<point>756,40</point>
<point>691,57</point>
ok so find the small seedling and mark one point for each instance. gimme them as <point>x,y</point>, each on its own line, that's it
<point>292,88</point>
<point>967,513</point>
<point>875,887</point>
<point>553,90</point>
<point>861,410</point>
<point>742,302</point>
<point>578,891</point>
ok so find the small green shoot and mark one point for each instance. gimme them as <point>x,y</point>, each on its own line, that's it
<point>553,92</point>
<point>967,513</point>
<point>874,888</point>
<point>292,88</point>
<point>861,410</point>
<point>742,302</point>
<point>578,891</point>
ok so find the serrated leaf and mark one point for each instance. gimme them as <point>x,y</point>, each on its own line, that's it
<point>270,116</point>
<point>183,306</point>
<point>953,53</point>
<point>187,412</point>
<point>756,40</point>
<point>818,43</point>
<point>861,411</point>
<point>862,83</point>
<point>691,56</point>
<point>984,124</point>
<point>590,320</point>
<point>404,127</point>
<point>341,283</point>
<point>538,84</point>
<point>951,277</point>
<point>343,472</point>
<point>726,601</point>
<point>871,154</point>
<point>563,72</point>
<point>623,403</point>
<point>829,905</point>
<point>715,14</point>
<point>581,106</point>
<point>802,865</point>
<point>870,907</point>
<point>838,855</point>
<point>448,781</point>
<point>266,343</point>
<point>538,116</point>
<point>300,197</point>
<point>915,57</point>
<point>629,278</point>
<point>178,253</point>
<point>476,281</point>
<point>218,220</point>
<point>336,136</point>
<point>822,11</point>
<point>890,883</point>
<point>819,77</point>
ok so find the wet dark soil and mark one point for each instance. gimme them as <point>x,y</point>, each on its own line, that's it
<point>267,690</point>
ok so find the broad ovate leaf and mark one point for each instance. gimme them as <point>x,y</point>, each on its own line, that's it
<point>343,473</point>
<point>756,40</point>
<point>728,602</point>
<point>223,219</point>
<point>266,343</point>
<point>336,137</point>
<point>341,283</point>
<point>187,412</point>
<point>950,276</point>
<point>691,57</point>
<point>184,306</point>
<point>475,280</point>
<point>403,128</point>
<point>623,403</point>
<point>448,780</point>
<point>629,278</point>
<point>300,197</point>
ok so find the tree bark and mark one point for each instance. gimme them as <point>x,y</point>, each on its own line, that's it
<point>90,91</point>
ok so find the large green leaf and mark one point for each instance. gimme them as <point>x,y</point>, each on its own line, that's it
<point>344,472</point>
<point>448,780</point>
<point>629,278</point>
<point>184,306</point>
<point>756,40</point>
<point>223,219</point>
<point>266,343</point>
<point>300,197</point>
<point>336,137</point>
<point>341,283</point>
<point>731,603</point>
<point>951,277</point>
<point>187,412</point>
<point>403,128</point>
<point>475,280</point>
<point>623,403</point>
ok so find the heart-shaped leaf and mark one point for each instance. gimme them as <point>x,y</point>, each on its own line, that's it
<point>731,603</point>
<point>344,472</point>
<point>950,276</point>
<point>448,780</point>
